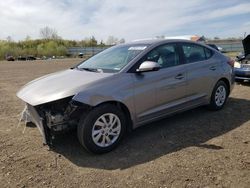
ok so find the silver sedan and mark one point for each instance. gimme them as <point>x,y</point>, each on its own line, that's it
<point>127,86</point>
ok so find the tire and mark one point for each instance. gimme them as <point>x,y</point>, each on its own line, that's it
<point>95,131</point>
<point>219,96</point>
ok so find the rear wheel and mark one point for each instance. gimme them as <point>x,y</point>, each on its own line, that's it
<point>102,129</point>
<point>219,96</point>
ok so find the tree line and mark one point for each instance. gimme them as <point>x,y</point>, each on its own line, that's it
<point>41,47</point>
<point>50,44</point>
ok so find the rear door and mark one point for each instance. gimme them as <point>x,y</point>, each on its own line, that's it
<point>202,71</point>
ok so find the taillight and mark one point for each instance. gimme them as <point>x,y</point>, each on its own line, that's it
<point>230,62</point>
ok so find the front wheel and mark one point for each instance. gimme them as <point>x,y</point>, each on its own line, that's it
<point>102,129</point>
<point>219,96</point>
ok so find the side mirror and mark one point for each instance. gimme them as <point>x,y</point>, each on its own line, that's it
<point>147,66</point>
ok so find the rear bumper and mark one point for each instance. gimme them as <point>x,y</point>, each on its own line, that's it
<point>241,78</point>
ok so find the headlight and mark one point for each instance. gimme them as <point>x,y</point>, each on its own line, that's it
<point>237,64</point>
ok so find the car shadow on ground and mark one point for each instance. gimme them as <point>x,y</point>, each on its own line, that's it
<point>191,128</point>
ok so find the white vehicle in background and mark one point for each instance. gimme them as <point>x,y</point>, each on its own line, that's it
<point>216,47</point>
<point>220,48</point>
<point>194,38</point>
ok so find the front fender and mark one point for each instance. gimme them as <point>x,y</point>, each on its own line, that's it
<point>93,99</point>
<point>116,89</point>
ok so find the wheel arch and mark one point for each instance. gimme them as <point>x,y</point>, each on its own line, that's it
<point>124,109</point>
<point>226,81</point>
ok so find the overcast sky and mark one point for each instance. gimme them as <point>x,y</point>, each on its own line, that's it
<point>129,19</point>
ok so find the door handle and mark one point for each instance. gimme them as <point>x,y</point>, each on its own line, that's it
<point>213,68</point>
<point>179,76</point>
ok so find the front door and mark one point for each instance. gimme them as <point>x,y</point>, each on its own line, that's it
<point>160,92</point>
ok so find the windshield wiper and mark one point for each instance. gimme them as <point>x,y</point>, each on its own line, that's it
<point>88,69</point>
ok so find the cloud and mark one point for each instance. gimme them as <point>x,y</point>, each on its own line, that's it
<point>128,19</point>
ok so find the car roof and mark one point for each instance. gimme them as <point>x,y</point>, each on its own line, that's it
<point>156,41</point>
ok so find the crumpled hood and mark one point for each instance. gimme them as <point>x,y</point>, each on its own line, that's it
<point>58,85</point>
<point>246,45</point>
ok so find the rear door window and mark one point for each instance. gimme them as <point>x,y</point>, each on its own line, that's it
<point>194,53</point>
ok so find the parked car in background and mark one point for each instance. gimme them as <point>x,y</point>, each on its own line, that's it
<point>214,46</point>
<point>21,58</point>
<point>26,58</point>
<point>80,55</point>
<point>221,49</point>
<point>218,48</point>
<point>127,86</point>
<point>10,58</point>
<point>242,64</point>
<point>30,58</point>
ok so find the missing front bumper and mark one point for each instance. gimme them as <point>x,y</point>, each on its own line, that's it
<point>30,114</point>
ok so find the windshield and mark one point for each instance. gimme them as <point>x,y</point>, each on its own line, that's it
<point>112,59</point>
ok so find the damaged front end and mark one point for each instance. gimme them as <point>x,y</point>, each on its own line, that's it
<point>54,117</point>
<point>50,100</point>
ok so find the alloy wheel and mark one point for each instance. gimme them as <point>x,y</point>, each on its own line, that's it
<point>106,130</point>
<point>220,95</point>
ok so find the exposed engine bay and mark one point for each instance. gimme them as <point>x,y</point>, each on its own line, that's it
<point>55,116</point>
<point>245,61</point>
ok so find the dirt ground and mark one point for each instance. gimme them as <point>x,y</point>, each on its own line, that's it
<point>198,148</point>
